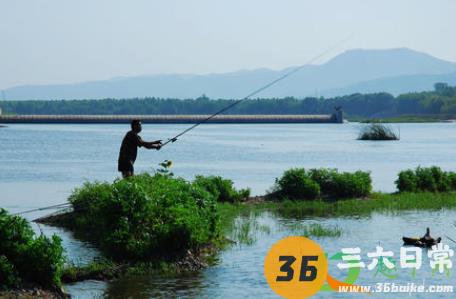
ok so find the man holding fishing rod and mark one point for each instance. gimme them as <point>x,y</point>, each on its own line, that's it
<point>132,141</point>
<point>129,148</point>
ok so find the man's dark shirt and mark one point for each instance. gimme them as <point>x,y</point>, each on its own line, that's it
<point>128,151</point>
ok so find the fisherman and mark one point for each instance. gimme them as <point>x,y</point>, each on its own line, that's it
<point>129,148</point>
<point>424,241</point>
<point>428,240</point>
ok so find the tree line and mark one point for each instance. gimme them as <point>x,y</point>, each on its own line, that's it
<point>440,101</point>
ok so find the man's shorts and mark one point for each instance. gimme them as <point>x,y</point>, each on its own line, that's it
<point>125,165</point>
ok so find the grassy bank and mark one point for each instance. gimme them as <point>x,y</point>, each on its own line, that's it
<point>239,222</point>
<point>376,202</point>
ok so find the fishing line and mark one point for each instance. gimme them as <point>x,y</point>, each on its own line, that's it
<point>450,239</point>
<point>284,76</point>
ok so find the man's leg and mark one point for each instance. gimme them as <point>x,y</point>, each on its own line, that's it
<point>126,174</point>
<point>126,168</point>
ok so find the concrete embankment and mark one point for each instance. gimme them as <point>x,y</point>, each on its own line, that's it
<point>172,119</point>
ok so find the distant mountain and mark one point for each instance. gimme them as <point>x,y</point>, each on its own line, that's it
<point>392,70</point>
<point>394,85</point>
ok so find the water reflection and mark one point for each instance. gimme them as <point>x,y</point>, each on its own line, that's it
<point>239,272</point>
<point>41,164</point>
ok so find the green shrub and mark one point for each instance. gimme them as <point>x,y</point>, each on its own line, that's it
<point>431,179</point>
<point>351,185</point>
<point>26,258</point>
<point>222,189</point>
<point>407,181</point>
<point>297,183</point>
<point>43,262</point>
<point>9,278</point>
<point>452,179</point>
<point>325,179</point>
<point>441,178</point>
<point>145,216</point>
<point>425,179</point>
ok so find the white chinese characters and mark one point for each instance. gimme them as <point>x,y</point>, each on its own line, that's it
<point>409,258</point>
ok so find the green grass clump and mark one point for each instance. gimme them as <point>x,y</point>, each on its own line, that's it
<point>103,269</point>
<point>222,189</point>
<point>430,179</point>
<point>317,230</point>
<point>377,132</point>
<point>247,229</point>
<point>25,258</point>
<point>145,216</point>
<point>313,230</point>
<point>298,183</point>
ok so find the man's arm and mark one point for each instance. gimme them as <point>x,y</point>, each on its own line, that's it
<point>150,145</point>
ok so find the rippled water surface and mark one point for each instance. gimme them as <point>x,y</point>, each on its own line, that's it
<point>41,164</point>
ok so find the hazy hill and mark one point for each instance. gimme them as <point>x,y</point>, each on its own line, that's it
<point>394,70</point>
<point>394,85</point>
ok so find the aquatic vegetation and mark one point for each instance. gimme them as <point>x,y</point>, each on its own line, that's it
<point>315,230</point>
<point>229,212</point>
<point>145,216</point>
<point>99,269</point>
<point>377,202</point>
<point>26,258</point>
<point>298,183</point>
<point>431,179</point>
<point>318,230</point>
<point>239,222</point>
<point>105,269</point>
<point>378,132</point>
<point>246,230</point>
<point>222,189</point>
<point>242,233</point>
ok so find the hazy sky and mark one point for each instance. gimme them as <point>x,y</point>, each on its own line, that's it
<point>59,41</point>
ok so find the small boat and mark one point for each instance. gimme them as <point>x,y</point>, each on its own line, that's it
<point>413,242</point>
<point>425,241</point>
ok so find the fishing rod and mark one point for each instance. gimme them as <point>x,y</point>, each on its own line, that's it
<point>284,76</point>
<point>62,205</point>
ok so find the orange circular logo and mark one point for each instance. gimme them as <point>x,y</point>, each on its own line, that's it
<point>296,267</point>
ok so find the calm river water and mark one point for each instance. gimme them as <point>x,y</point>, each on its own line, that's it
<point>41,164</point>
